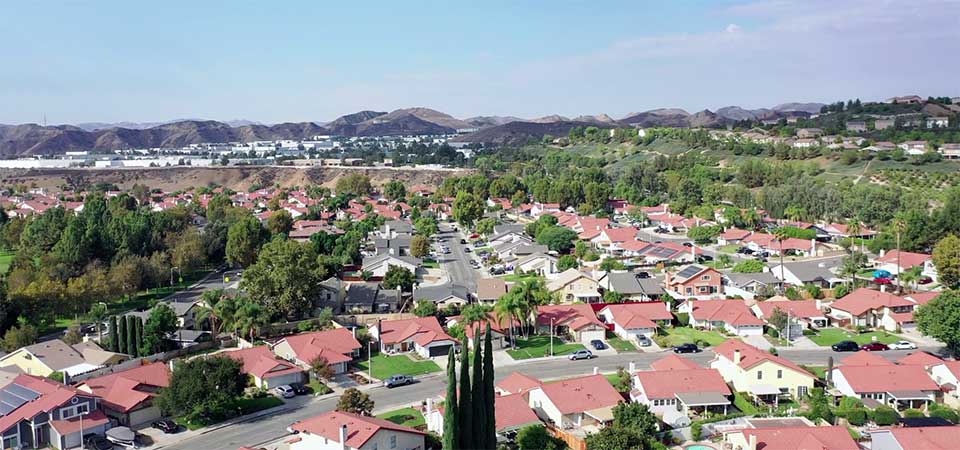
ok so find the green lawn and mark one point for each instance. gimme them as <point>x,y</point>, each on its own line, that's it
<point>539,346</point>
<point>318,388</point>
<point>518,278</point>
<point>743,402</point>
<point>5,259</point>
<point>829,336</point>
<point>729,248</point>
<point>621,345</point>
<point>430,263</point>
<point>407,417</point>
<point>386,366</point>
<point>681,335</point>
<point>819,371</point>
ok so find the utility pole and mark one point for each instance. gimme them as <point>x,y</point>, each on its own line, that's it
<point>551,336</point>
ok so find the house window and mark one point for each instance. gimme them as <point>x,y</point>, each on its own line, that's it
<point>11,442</point>
<point>802,391</point>
<point>74,411</point>
<point>705,278</point>
<point>759,374</point>
<point>393,441</point>
<point>779,374</point>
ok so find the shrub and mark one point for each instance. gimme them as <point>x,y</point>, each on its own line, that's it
<point>913,413</point>
<point>792,293</point>
<point>841,291</point>
<point>809,332</point>
<point>749,266</point>
<point>884,415</point>
<point>813,290</point>
<point>773,351</point>
<point>696,431</point>
<point>850,403</point>
<point>945,413</point>
<point>683,319</point>
<point>856,416</point>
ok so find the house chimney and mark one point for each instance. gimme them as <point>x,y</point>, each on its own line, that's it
<point>883,288</point>
<point>343,436</point>
<point>596,370</point>
<point>633,367</point>
<point>736,357</point>
<point>752,442</point>
<point>813,247</point>
<point>882,252</point>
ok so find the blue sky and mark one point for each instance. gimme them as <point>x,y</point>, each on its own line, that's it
<point>310,60</point>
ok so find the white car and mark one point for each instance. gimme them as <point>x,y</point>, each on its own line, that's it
<point>285,391</point>
<point>902,345</point>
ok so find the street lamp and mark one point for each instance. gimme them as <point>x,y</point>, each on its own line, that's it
<point>370,360</point>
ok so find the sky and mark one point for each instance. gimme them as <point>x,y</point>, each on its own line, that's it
<point>291,61</point>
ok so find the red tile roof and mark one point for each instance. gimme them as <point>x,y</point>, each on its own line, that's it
<point>919,359</point>
<point>639,315</point>
<point>733,312</point>
<point>751,356</point>
<point>70,426</point>
<point>674,362</point>
<point>359,428</point>
<point>802,438</point>
<point>863,379</point>
<point>124,391</point>
<point>418,329</point>
<point>865,299</point>
<point>518,383</point>
<point>513,411</point>
<point>922,298</point>
<point>907,259</point>
<point>927,438</point>
<point>260,362</point>
<point>658,384</point>
<point>332,345</point>
<point>575,316</point>
<point>581,394</point>
<point>865,358</point>
<point>621,234</point>
<point>52,395</point>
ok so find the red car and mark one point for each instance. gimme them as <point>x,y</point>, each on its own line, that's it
<point>882,280</point>
<point>874,347</point>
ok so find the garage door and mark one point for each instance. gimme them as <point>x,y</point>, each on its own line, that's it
<point>587,336</point>
<point>440,350</point>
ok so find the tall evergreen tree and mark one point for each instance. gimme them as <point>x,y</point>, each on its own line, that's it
<point>488,385</point>
<point>450,428</point>
<point>131,336</point>
<point>138,332</point>
<point>122,335</point>
<point>464,403</point>
<point>477,398</point>
<point>114,343</point>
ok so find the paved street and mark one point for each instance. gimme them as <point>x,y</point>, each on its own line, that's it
<point>457,263</point>
<point>273,427</point>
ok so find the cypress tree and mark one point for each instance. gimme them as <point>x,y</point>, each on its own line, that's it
<point>121,337</point>
<point>139,337</point>
<point>114,345</point>
<point>490,433</point>
<point>131,336</point>
<point>450,428</point>
<point>464,405</point>
<point>476,395</point>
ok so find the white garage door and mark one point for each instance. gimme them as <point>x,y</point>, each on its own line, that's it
<point>284,379</point>
<point>587,336</point>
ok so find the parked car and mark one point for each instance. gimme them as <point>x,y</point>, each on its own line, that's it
<point>882,280</point>
<point>96,442</point>
<point>463,241</point>
<point>704,258</point>
<point>745,251</point>
<point>902,345</point>
<point>300,388</point>
<point>845,346</point>
<point>165,425</point>
<point>467,249</point>
<point>687,348</point>
<point>598,344</point>
<point>643,340</point>
<point>474,264</point>
<point>643,275</point>
<point>397,380</point>
<point>285,391</point>
<point>874,347</point>
<point>925,280</point>
<point>688,244</point>
<point>580,354</point>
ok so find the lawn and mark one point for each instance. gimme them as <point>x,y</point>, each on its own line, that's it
<point>5,259</point>
<point>539,346</point>
<point>621,345</point>
<point>729,248</point>
<point>318,388</point>
<point>431,263</point>
<point>743,402</point>
<point>407,417</point>
<point>819,371</point>
<point>514,278</point>
<point>829,336</point>
<point>681,335</point>
<point>386,366</point>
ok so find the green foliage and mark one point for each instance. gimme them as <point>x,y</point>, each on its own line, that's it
<point>913,413</point>
<point>556,238</point>
<point>161,322</point>
<point>884,416</point>
<point>285,279</point>
<point>792,293</point>
<point>467,208</point>
<point>425,309</point>
<point>856,416</point>
<point>280,222</point>
<point>749,266</point>
<point>820,405</point>
<point>944,412</point>
<point>202,387</point>
<point>567,262</point>
<point>609,264</point>
<point>244,240</point>
<point>612,297</point>
<point>696,430</point>
<point>399,278</point>
<point>355,402</point>
<point>536,437</point>
<point>450,431</point>
<point>19,336</point>
<point>354,184</point>
<point>841,291</point>
<point>946,258</point>
<point>940,319</point>
<point>683,319</point>
<point>394,190</point>
<point>704,234</point>
<point>813,290</point>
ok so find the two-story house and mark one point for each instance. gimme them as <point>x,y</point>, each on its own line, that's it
<point>694,281</point>
<point>677,387</point>
<point>765,376</point>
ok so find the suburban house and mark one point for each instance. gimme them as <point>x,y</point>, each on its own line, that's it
<point>803,314</point>
<point>333,292</point>
<point>583,403</point>
<point>393,229</point>
<point>424,335</point>
<point>369,298</point>
<point>266,368</point>
<point>489,290</point>
<point>947,375</point>
<point>578,321</point>
<point>914,438</point>
<point>512,412</point>
<point>45,358</point>
<point>907,260</point>
<point>517,383</point>
<point>338,347</point>
<point>538,263</point>
<point>694,281</point>
<point>338,430</point>
<point>42,413</point>
<point>763,375</point>
<point>730,316</point>
<point>733,236</point>
<point>609,238</point>
<point>632,319</point>
<point>677,387</point>
<point>869,308</point>
<point>443,295</point>
<point>749,285</point>
<point>791,438</point>
<point>573,285</point>
<point>631,286</point>
<point>499,329</point>
<point>127,396</point>
<point>899,386</point>
<point>379,265</point>
<point>801,273</point>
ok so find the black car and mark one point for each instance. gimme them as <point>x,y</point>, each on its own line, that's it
<point>598,344</point>
<point>299,388</point>
<point>686,348</point>
<point>643,275</point>
<point>463,241</point>
<point>165,425</point>
<point>688,244</point>
<point>704,258</point>
<point>845,346</point>
<point>96,442</point>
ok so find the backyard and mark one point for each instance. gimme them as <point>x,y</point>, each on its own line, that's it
<point>407,417</point>
<point>829,336</point>
<point>386,366</point>
<point>539,346</point>
<point>5,259</point>
<point>514,278</point>
<point>670,337</point>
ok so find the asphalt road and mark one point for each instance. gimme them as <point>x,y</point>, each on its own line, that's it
<point>457,263</point>
<point>273,427</point>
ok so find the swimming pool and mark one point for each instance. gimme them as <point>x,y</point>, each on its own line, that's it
<point>698,447</point>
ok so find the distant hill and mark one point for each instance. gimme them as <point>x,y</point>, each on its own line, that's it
<point>425,114</point>
<point>491,121</point>
<point>599,118</point>
<point>736,113</point>
<point>549,119</point>
<point>810,108</point>
<point>663,117</point>
<point>519,133</point>
<point>706,119</point>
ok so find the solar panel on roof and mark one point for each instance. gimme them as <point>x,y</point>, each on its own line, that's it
<point>6,409</point>
<point>11,399</point>
<point>22,392</point>
<point>689,272</point>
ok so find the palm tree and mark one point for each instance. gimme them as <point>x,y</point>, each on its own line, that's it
<point>226,314</point>
<point>507,308</point>
<point>854,230</point>
<point>911,276</point>
<point>250,318</point>
<point>899,227</point>
<point>781,235</point>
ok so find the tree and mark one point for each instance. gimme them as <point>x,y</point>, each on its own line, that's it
<point>450,428</point>
<point>749,266</point>
<point>244,239</point>
<point>704,234</point>
<point>610,264</point>
<point>202,388</point>
<point>467,208</point>
<point>779,321</point>
<point>19,336</point>
<point>280,222</point>
<point>187,251</point>
<point>615,438</point>
<point>556,238</point>
<point>121,336</point>
<point>285,279</point>
<point>490,430</point>
<point>394,190</point>
<point>138,336</point>
<point>464,405</point>
<point>161,322</point>
<point>354,185</point>
<point>485,226</point>
<point>355,402</point>
<point>114,342</point>
<point>477,398</point>
<point>536,437</point>
<point>899,226</point>
<point>425,309</point>
<point>636,417</point>
<point>940,319</point>
<point>321,369</point>
<point>73,336</point>
<point>781,235</point>
<point>98,314</point>
<point>567,262</point>
<point>132,342</point>
<point>612,297</point>
<point>398,277</point>
<point>946,258</point>
<point>426,226</point>
<point>419,246</point>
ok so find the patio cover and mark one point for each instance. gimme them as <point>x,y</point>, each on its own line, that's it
<point>703,398</point>
<point>764,389</point>
<point>604,414</point>
<point>909,395</point>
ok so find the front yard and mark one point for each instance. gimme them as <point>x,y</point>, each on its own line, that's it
<point>407,417</point>
<point>670,337</point>
<point>514,278</point>
<point>539,346</point>
<point>386,366</point>
<point>240,407</point>
<point>621,345</point>
<point>829,336</point>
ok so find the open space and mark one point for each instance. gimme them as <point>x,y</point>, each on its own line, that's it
<point>386,366</point>
<point>539,346</point>
<point>829,336</point>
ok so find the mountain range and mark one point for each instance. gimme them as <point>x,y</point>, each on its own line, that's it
<point>33,139</point>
